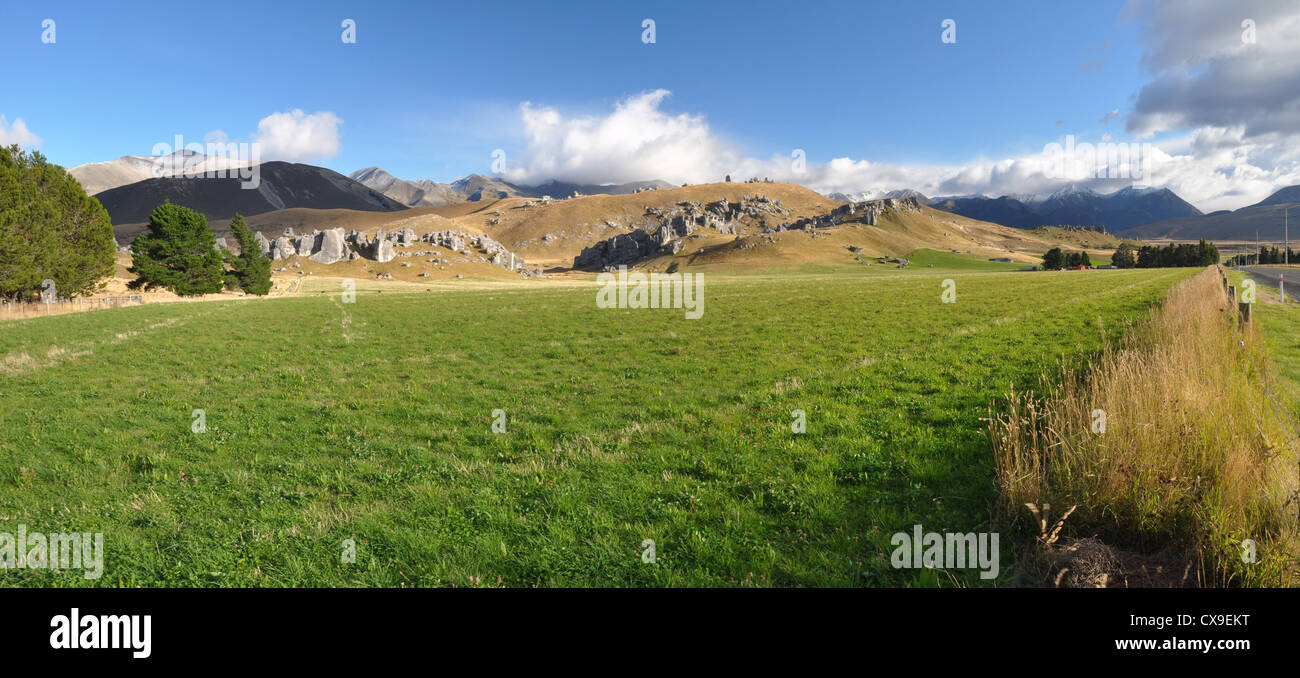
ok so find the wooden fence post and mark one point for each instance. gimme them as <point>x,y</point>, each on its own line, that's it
<point>1244,310</point>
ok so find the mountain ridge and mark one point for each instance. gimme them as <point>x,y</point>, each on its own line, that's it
<point>281,185</point>
<point>1266,220</point>
<point>1074,205</point>
<point>480,187</point>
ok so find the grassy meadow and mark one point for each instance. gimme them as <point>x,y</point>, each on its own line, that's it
<point>1281,327</point>
<point>372,421</point>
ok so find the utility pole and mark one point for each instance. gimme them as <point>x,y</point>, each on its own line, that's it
<point>1286,242</point>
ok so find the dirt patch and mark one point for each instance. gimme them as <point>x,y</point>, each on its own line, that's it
<point>1090,563</point>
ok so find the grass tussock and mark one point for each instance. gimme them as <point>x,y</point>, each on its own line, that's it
<point>1198,450</point>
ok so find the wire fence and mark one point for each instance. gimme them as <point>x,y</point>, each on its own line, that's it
<point>1286,418</point>
<point>23,308</point>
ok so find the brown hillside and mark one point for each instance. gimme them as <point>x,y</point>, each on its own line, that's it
<point>896,234</point>
<point>577,223</point>
<point>522,224</point>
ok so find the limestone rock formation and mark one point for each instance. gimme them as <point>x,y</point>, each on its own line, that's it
<point>865,212</point>
<point>676,223</point>
<point>282,248</point>
<point>336,244</point>
<point>331,246</point>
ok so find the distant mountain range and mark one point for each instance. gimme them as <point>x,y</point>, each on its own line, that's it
<point>132,186</point>
<point>476,187</point>
<point>412,193</point>
<point>282,185</point>
<point>1267,218</point>
<point>1071,205</point>
<point>860,196</point>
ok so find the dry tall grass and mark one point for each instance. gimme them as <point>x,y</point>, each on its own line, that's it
<point>20,311</point>
<point>1197,450</point>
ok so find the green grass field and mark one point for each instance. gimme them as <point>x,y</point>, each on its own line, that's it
<point>954,261</point>
<point>1281,328</point>
<point>372,421</point>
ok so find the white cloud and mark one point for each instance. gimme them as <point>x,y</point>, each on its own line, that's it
<point>297,135</point>
<point>635,141</point>
<point>17,133</point>
<point>1211,167</point>
<point>1214,169</point>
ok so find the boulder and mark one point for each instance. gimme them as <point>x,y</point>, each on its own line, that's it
<point>505,260</point>
<point>383,251</point>
<point>306,245</point>
<point>282,248</point>
<point>331,247</point>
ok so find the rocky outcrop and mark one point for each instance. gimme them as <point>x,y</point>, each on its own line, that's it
<point>282,248</point>
<point>618,250</point>
<point>722,216</point>
<point>452,240</point>
<point>336,244</point>
<point>676,223</point>
<point>865,212</point>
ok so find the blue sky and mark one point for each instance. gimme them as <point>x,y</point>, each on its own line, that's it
<point>430,89</point>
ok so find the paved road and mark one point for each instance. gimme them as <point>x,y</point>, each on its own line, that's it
<point>1269,276</point>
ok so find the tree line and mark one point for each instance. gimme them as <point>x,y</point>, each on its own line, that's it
<point>1169,256</point>
<point>1266,256</point>
<point>1147,256</point>
<point>1177,255</point>
<point>1055,260</point>
<point>180,253</point>
<point>56,239</point>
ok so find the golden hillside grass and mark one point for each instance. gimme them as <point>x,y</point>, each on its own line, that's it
<point>577,223</point>
<point>1197,450</point>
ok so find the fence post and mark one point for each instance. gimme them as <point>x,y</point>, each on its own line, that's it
<point>1244,310</point>
<point>1232,293</point>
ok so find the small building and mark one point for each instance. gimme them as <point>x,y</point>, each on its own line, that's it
<point>1001,260</point>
